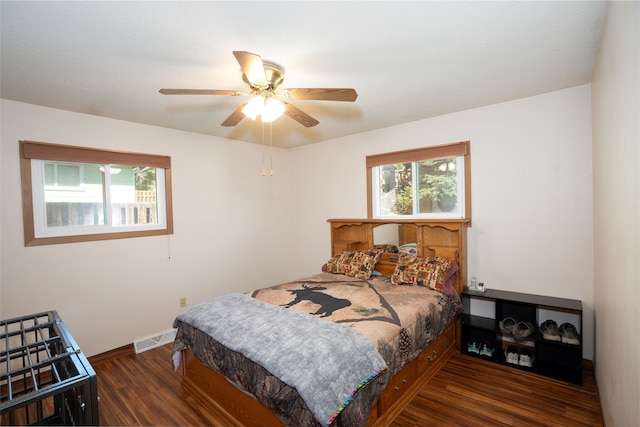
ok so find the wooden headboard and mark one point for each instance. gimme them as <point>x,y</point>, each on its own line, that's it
<point>445,238</point>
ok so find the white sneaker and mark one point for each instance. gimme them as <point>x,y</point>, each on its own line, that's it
<point>526,358</point>
<point>511,355</point>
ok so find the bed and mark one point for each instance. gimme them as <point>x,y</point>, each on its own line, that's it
<point>402,324</point>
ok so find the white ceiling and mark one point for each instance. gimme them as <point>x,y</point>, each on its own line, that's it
<point>407,60</point>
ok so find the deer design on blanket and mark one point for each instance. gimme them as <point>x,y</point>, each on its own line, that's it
<point>327,363</point>
<point>328,304</point>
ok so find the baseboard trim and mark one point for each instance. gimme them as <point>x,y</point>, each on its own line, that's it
<point>116,353</point>
<point>587,364</point>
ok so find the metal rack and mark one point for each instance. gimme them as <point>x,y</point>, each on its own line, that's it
<point>45,379</point>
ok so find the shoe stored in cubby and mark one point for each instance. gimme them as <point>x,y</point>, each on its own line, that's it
<point>487,349</point>
<point>519,356</point>
<point>507,325</point>
<point>569,334</point>
<point>549,330</point>
<point>479,343</point>
<point>526,358</point>
<point>512,355</point>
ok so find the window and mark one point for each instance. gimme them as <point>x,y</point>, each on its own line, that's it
<point>62,175</point>
<point>431,183</point>
<point>73,194</point>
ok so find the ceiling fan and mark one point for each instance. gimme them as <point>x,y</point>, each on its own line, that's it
<point>264,79</point>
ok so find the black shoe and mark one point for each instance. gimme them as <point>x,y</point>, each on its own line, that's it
<point>569,334</point>
<point>507,324</point>
<point>523,330</point>
<point>549,330</point>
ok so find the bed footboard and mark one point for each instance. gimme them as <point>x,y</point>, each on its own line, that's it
<point>231,405</point>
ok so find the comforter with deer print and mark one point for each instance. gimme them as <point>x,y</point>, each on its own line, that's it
<point>400,321</point>
<point>326,362</point>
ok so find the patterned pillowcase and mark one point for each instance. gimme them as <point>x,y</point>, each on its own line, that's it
<point>332,265</point>
<point>386,248</point>
<point>359,264</point>
<point>436,273</point>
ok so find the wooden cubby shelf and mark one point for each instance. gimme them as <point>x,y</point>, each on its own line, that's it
<point>483,312</point>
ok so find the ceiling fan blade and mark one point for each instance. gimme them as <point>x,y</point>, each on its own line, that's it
<point>326,94</point>
<point>252,68</point>
<point>235,117</point>
<point>200,92</point>
<point>299,116</point>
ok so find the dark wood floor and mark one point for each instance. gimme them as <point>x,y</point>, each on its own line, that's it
<point>142,390</point>
<point>473,392</point>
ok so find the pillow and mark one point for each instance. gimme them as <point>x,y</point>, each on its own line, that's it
<point>436,273</point>
<point>386,248</point>
<point>357,264</point>
<point>332,265</point>
<point>409,248</point>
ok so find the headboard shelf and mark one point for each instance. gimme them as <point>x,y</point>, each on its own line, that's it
<point>447,223</point>
<point>446,237</point>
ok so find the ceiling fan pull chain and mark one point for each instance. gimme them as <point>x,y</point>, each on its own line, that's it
<point>271,149</point>
<point>263,168</point>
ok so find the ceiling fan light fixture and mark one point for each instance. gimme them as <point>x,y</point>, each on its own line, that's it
<point>254,107</point>
<point>267,107</point>
<point>272,110</point>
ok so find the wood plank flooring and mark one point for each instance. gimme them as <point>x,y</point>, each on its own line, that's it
<point>473,392</point>
<point>142,390</point>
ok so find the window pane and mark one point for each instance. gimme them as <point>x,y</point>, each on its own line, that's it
<point>62,174</point>
<point>134,192</point>
<point>76,196</point>
<point>396,194</point>
<point>68,175</point>
<point>49,174</point>
<point>428,188</point>
<point>438,185</point>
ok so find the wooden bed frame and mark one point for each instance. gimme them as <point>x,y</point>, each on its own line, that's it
<point>446,238</point>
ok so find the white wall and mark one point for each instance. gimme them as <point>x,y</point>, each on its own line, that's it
<point>616,158</point>
<point>531,192</point>
<point>532,215</point>
<point>110,293</point>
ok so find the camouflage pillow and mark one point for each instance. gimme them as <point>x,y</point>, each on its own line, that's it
<point>436,273</point>
<point>332,265</point>
<point>386,248</point>
<point>359,264</point>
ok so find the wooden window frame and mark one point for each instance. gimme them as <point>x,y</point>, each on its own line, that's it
<point>418,154</point>
<point>67,153</point>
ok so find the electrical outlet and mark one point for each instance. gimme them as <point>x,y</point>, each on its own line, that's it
<point>183,302</point>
